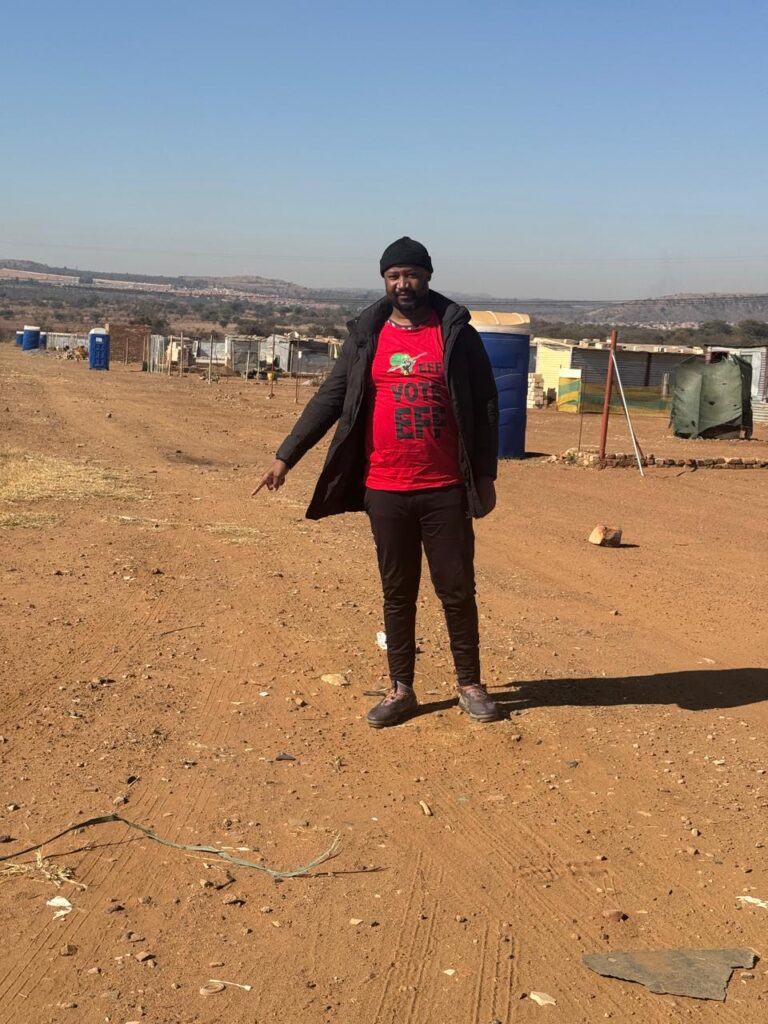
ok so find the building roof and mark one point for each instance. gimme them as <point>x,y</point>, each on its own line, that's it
<point>627,346</point>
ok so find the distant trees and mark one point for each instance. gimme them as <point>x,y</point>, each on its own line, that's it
<point>752,330</point>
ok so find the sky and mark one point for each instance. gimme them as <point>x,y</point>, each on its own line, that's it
<point>544,148</point>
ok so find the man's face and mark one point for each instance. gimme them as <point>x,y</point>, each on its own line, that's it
<point>407,287</point>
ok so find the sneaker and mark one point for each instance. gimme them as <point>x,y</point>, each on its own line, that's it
<point>398,704</point>
<point>477,704</point>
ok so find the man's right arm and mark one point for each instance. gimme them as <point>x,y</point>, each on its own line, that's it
<point>321,412</point>
<point>318,417</point>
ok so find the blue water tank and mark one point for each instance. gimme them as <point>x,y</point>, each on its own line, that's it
<point>508,349</point>
<point>98,349</point>
<point>30,338</point>
<point>19,338</point>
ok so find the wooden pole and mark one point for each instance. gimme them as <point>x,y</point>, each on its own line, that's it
<point>607,399</point>
<point>248,360</point>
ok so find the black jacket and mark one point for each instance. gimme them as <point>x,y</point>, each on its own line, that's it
<point>342,397</point>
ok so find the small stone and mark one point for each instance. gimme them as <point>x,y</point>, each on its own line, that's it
<point>115,908</point>
<point>355,921</point>
<point>134,937</point>
<point>12,807</point>
<point>234,901</point>
<point>93,970</point>
<point>572,764</point>
<point>461,919</point>
<point>692,851</point>
<point>68,950</point>
<point>614,915</point>
<point>120,801</point>
<point>265,910</point>
<point>67,1006</point>
<point>605,536</point>
<point>6,839</point>
<point>299,702</point>
<point>144,956</point>
<point>335,679</point>
<point>109,415</point>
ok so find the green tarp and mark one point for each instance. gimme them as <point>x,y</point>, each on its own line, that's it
<point>712,398</point>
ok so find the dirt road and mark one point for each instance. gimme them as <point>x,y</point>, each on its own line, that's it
<point>164,637</point>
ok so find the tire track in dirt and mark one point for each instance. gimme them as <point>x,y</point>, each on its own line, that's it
<point>409,926</point>
<point>532,902</point>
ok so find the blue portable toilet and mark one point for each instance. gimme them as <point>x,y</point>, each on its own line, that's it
<point>19,338</point>
<point>31,338</point>
<point>98,349</point>
<point>43,339</point>
<point>507,340</point>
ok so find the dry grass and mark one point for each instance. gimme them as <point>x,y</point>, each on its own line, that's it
<point>237,534</point>
<point>26,520</point>
<point>31,476</point>
<point>45,870</point>
<point>142,521</point>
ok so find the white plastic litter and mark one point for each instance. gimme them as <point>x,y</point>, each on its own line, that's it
<point>63,904</point>
<point>230,984</point>
<point>754,900</point>
<point>381,640</point>
<point>542,999</point>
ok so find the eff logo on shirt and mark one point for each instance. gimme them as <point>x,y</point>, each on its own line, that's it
<point>403,362</point>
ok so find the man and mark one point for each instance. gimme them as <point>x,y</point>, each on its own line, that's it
<point>416,448</point>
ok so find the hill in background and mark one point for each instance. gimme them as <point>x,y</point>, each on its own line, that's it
<point>260,303</point>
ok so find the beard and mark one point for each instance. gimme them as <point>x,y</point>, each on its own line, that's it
<point>409,302</point>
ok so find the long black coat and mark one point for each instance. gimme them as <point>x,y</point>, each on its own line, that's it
<point>343,396</point>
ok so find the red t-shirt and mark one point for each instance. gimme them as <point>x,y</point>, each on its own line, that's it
<point>412,439</point>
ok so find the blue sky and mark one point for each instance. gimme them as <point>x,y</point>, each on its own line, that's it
<point>550,148</point>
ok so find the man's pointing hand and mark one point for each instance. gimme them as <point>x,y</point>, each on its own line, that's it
<point>274,478</point>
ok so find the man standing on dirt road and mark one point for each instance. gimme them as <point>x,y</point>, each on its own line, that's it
<point>416,448</point>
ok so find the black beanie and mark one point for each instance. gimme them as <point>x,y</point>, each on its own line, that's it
<point>405,252</point>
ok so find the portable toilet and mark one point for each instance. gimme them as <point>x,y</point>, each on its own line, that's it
<point>19,338</point>
<point>43,339</point>
<point>507,340</point>
<point>31,338</point>
<point>98,349</point>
